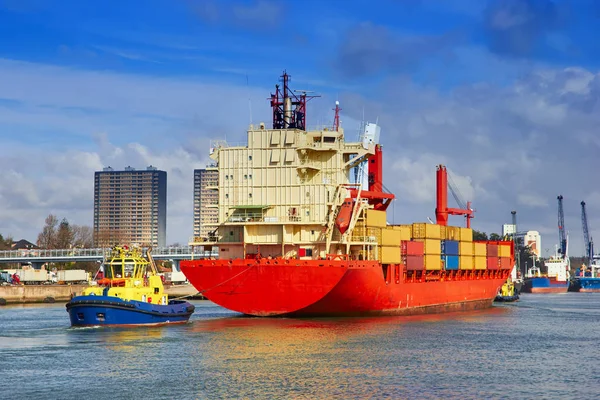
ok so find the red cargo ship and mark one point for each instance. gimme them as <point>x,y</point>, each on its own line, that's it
<point>302,231</point>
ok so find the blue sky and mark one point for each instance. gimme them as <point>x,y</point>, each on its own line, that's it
<point>504,92</point>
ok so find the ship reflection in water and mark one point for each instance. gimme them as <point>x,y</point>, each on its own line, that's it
<point>219,354</point>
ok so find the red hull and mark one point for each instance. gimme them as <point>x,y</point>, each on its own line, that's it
<point>336,288</point>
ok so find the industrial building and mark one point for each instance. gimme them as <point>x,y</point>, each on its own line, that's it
<point>533,240</point>
<point>130,206</point>
<point>206,201</point>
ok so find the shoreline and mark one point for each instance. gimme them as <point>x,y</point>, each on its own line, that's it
<point>26,294</point>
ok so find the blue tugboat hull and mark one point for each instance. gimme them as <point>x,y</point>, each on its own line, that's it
<point>113,311</point>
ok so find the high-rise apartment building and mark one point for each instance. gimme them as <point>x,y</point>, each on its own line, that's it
<point>206,201</point>
<point>130,206</point>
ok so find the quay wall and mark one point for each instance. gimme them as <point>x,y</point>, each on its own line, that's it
<point>38,293</point>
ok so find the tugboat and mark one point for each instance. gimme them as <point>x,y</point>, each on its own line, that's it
<point>131,293</point>
<point>507,293</point>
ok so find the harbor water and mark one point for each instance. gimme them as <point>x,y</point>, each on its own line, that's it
<point>543,346</point>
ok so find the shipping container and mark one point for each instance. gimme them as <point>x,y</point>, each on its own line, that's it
<point>375,218</point>
<point>480,249</point>
<point>433,262</point>
<point>505,263</point>
<point>423,230</point>
<point>504,250</point>
<point>72,275</point>
<point>480,262</point>
<point>493,263</point>
<point>452,233</point>
<point>443,232</point>
<point>466,249</point>
<point>413,263</point>
<point>466,234</point>
<point>412,248</point>
<point>492,250</point>
<point>390,237</point>
<point>450,247</point>
<point>431,246</point>
<point>450,262</point>
<point>405,231</point>
<point>33,275</point>
<point>466,262</point>
<point>390,255</point>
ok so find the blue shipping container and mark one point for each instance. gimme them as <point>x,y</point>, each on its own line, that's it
<point>451,262</point>
<point>450,247</point>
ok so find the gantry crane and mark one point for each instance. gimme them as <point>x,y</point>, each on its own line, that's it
<point>562,236</point>
<point>589,242</point>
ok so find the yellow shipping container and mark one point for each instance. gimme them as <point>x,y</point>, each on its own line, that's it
<point>480,249</point>
<point>423,230</point>
<point>466,234</point>
<point>452,233</point>
<point>431,246</point>
<point>433,262</point>
<point>405,231</point>
<point>443,232</point>
<point>465,249</point>
<point>390,237</point>
<point>376,218</point>
<point>480,262</point>
<point>390,255</point>
<point>504,251</point>
<point>466,262</point>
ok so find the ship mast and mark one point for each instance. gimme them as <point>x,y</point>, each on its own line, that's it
<point>283,101</point>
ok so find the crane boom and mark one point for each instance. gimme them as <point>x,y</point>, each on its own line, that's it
<point>562,237</point>
<point>589,244</point>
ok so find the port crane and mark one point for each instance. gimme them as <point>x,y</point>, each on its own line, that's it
<point>589,242</point>
<point>562,236</point>
<point>442,210</point>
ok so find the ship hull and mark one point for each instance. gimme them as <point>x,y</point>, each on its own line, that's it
<point>586,285</point>
<point>112,311</point>
<point>544,285</point>
<point>337,288</point>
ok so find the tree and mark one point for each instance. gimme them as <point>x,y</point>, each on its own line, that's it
<point>64,236</point>
<point>83,236</point>
<point>5,244</point>
<point>477,235</point>
<point>495,236</point>
<point>47,238</point>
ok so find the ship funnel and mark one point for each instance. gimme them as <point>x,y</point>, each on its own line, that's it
<point>287,111</point>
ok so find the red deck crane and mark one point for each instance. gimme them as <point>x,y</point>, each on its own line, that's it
<point>442,210</point>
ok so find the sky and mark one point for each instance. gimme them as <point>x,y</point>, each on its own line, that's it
<point>505,93</point>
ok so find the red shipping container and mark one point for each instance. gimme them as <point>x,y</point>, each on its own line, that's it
<point>493,263</point>
<point>412,248</point>
<point>492,250</point>
<point>414,263</point>
<point>505,263</point>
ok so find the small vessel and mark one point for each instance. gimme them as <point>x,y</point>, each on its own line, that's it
<point>587,279</point>
<point>303,230</point>
<point>507,293</point>
<point>130,293</point>
<point>556,280</point>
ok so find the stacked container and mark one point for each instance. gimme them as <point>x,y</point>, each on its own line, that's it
<point>450,254</point>
<point>493,262</point>
<point>480,255</point>
<point>412,255</point>
<point>430,236</point>
<point>391,238</point>
<point>466,248</point>
<point>504,255</point>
